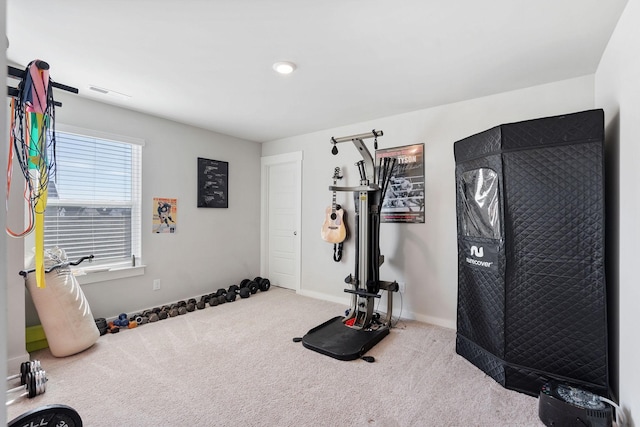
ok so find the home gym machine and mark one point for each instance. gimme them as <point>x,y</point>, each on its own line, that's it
<point>351,336</point>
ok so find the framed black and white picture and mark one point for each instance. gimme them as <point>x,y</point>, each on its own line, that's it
<point>404,198</point>
<point>213,183</point>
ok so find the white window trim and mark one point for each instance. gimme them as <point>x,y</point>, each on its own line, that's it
<point>98,134</point>
<point>86,276</point>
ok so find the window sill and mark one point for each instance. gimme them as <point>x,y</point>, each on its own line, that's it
<point>95,275</point>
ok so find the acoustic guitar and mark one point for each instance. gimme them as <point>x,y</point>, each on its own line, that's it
<point>333,229</point>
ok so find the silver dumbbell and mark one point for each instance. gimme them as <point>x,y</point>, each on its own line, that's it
<point>35,385</point>
<point>25,367</point>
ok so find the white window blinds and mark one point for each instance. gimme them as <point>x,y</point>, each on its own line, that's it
<point>94,199</point>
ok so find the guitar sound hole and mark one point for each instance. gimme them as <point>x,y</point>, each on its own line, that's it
<point>333,216</point>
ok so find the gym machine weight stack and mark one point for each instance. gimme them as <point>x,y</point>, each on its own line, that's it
<point>350,337</point>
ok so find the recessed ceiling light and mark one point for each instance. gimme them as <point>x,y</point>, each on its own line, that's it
<point>284,67</point>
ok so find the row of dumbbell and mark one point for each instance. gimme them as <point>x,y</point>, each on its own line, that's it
<point>245,289</point>
<point>33,381</point>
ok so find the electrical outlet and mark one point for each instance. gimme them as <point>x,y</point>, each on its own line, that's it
<point>401,287</point>
<point>156,284</point>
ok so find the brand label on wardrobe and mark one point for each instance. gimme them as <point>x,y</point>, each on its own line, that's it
<point>481,255</point>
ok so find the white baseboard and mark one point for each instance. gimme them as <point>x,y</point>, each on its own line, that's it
<point>13,364</point>
<point>433,320</point>
<point>346,300</point>
<point>445,323</point>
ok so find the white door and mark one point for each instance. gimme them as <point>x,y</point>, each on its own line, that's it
<point>281,212</point>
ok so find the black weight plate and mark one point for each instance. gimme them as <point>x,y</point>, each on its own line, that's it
<point>221,291</point>
<point>24,369</point>
<point>257,279</point>
<point>265,284</point>
<point>31,384</point>
<point>233,289</point>
<point>253,287</point>
<point>244,283</point>
<point>49,415</point>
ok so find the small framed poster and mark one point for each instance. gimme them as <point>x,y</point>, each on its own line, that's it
<point>404,198</point>
<point>213,183</point>
<point>165,215</point>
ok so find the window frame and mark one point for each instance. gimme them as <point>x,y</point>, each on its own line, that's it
<point>89,272</point>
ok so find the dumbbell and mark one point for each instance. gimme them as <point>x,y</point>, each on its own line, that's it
<point>191,305</point>
<point>25,368</point>
<point>138,319</point>
<point>101,324</point>
<point>230,296</point>
<point>181,306</point>
<point>250,284</point>
<point>35,384</point>
<point>263,283</point>
<point>241,290</point>
<point>122,321</point>
<point>213,300</point>
<point>163,313</point>
<point>219,295</point>
<point>173,310</point>
<point>204,299</point>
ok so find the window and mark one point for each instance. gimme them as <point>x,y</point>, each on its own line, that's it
<point>478,190</point>
<point>93,205</point>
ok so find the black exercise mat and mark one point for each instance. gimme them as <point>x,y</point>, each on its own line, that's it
<point>334,339</point>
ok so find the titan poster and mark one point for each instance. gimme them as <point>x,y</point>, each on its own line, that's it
<point>165,215</point>
<point>404,199</point>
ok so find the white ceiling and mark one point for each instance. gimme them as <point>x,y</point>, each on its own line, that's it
<point>208,62</point>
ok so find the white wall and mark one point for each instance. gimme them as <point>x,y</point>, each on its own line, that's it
<point>618,92</point>
<point>421,255</point>
<point>212,248</point>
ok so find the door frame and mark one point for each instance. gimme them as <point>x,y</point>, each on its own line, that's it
<point>266,163</point>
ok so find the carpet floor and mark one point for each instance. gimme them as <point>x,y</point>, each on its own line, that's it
<point>236,365</point>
